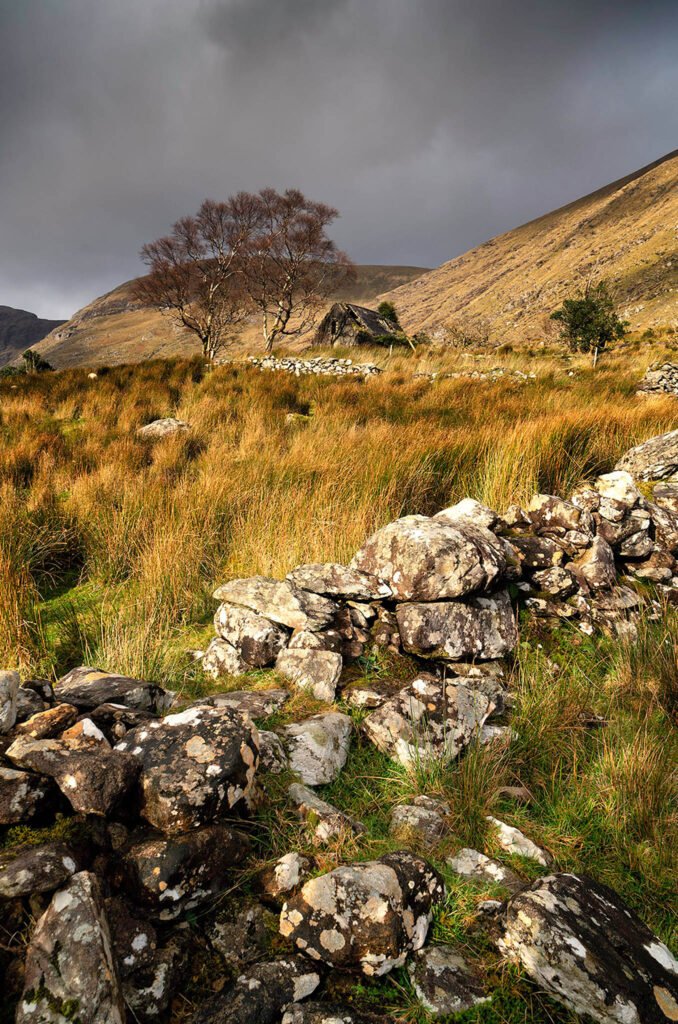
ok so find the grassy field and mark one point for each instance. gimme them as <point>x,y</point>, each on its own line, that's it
<point>110,548</point>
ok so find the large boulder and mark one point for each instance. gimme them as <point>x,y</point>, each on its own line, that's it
<point>195,766</point>
<point>169,875</point>
<point>280,602</point>
<point>70,973</point>
<point>425,559</point>
<point>334,580</point>
<point>367,915</point>
<point>656,459</point>
<point>429,720</point>
<point>480,627</point>
<point>318,747</point>
<point>579,941</point>
<point>87,688</point>
<point>9,689</point>
<point>257,639</point>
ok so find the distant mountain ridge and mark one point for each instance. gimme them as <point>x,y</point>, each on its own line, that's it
<point>20,330</point>
<point>117,328</point>
<point>624,232</point>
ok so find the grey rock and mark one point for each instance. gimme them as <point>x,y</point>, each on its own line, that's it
<point>537,552</point>
<point>195,766</point>
<point>162,428</point>
<point>35,869</point>
<point>148,991</point>
<point>69,963</point>
<point>472,864</point>
<point>279,601</point>
<point>472,510</point>
<point>261,993</point>
<point>368,915</point>
<point>257,639</point>
<point>254,703</point>
<point>618,493</point>
<point>334,580</point>
<point>557,581</point>
<point>655,459</point>
<point>49,723</point>
<point>428,720</point>
<point>320,640</point>
<point>581,943</point>
<point>482,627</point>
<point>222,659</point>
<point>23,795</point>
<point>318,746</point>
<point>28,703</point>
<point>444,981</point>
<point>327,822</point>
<point>241,935</point>
<point>596,565</point>
<point>555,517</point>
<point>87,688</point>
<point>272,754</point>
<point>9,689</point>
<point>422,823</point>
<point>666,496</point>
<point>432,559</point>
<point>316,671</point>
<point>514,841</point>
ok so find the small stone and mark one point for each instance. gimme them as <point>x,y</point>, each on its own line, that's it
<point>9,689</point>
<point>48,724</point>
<point>472,864</point>
<point>35,869</point>
<point>272,754</point>
<point>514,841</point>
<point>85,735</point>
<point>253,703</point>
<point>23,795</point>
<point>257,640</point>
<point>318,746</point>
<point>165,427</point>
<point>327,821</point>
<point>286,875</point>
<point>260,993</point>
<point>87,688</point>
<point>316,671</point>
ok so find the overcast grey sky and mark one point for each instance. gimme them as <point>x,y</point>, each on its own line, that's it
<point>431,124</point>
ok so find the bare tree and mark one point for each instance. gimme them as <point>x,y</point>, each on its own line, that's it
<point>196,271</point>
<point>291,265</point>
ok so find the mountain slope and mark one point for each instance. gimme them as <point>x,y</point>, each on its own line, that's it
<point>116,328</point>
<point>20,330</point>
<point>625,232</point>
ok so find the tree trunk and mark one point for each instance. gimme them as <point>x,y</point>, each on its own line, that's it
<point>595,356</point>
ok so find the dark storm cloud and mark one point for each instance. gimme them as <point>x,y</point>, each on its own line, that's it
<point>431,124</point>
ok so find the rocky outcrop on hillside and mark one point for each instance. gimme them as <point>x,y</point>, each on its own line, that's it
<point>660,380</point>
<point>154,810</point>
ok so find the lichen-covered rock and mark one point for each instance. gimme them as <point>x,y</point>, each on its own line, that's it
<point>286,875</point>
<point>318,746</point>
<point>481,627</point>
<point>148,991</point>
<point>280,602</point>
<point>428,719</point>
<point>195,766</point>
<point>618,493</point>
<point>425,559</point>
<point>596,565</point>
<point>28,703</point>
<point>85,735</point>
<point>254,703</point>
<point>555,517</point>
<point>86,688</point>
<point>666,496</point>
<point>656,459</point>
<point>320,640</point>
<point>514,841</point>
<point>223,659</point>
<point>242,935</point>
<point>261,993</point>
<point>162,428</point>
<point>316,671</point>
<point>327,822</point>
<point>172,874</point>
<point>472,864</point>
<point>70,972</point>
<point>579,941</point>
<point>93,781</point>
<point>134,938</point>
<point>367,915</point>
<point>35,869</point>
<point>23,795</point>
<point>115,720</point>
<point>472,510</point>
<point>9,689</point>
<point>334,580</point>
<point>257,639</point>
<point>272,754</point>
<point>556,581</point>
<point>48,723</point>
<point>423,819</point>
<point>444,981</point>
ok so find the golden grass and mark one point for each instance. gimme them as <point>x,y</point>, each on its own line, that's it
<point>251,490</point>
